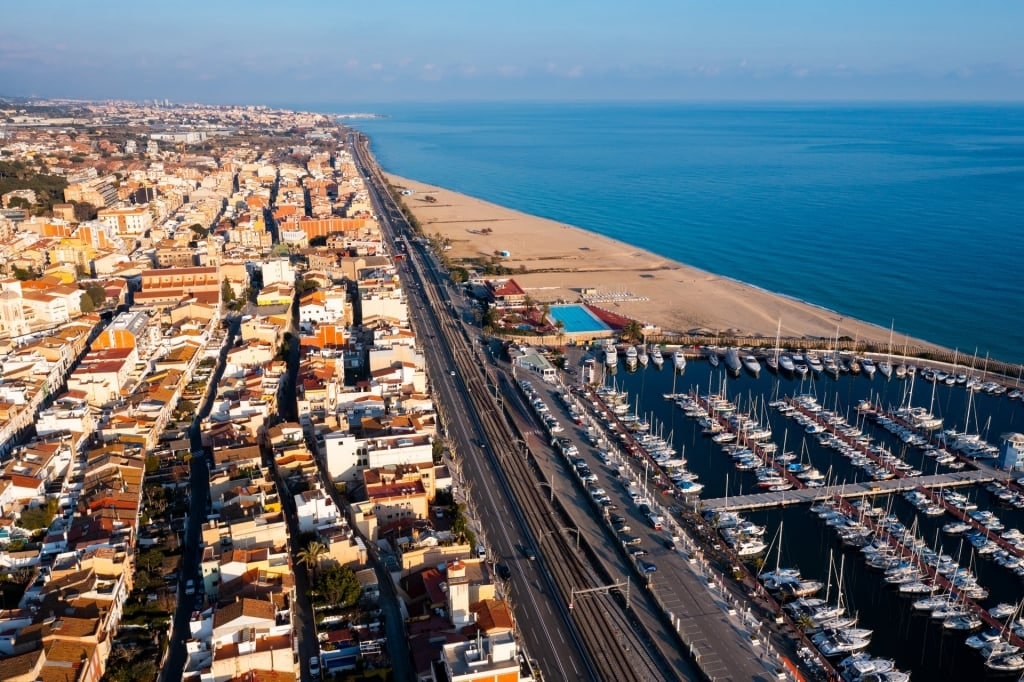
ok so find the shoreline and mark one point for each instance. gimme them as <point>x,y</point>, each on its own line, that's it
<point>545,257</point>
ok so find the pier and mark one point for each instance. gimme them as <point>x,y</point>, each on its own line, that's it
<point>866,489</point>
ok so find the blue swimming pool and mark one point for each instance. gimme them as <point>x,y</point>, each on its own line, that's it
<point>577,319</point>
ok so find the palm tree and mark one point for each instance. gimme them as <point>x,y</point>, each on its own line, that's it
<point>310,556</point>
<point>633,331</point>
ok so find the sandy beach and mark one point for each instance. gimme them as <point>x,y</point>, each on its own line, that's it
<point>562,260</point>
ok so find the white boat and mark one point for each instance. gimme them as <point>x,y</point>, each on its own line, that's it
<point>679,360</point>
<point>751,364</point>
<point>786,363</point>
<point>814,362</point>
<point>712,356</point>
<point>631,356</point>
<point>641,355</point>
<point>656,357</point>
<point>867,365</point>
<point>885,368</point>
<point>732,361</point>
<point>611,354</point>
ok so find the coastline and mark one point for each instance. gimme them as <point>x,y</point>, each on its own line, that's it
<point>560,260</point>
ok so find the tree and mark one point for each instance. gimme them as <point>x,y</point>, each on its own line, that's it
<point>227,292</point>
<point>86,305</point>
<point>97,294</point>
<point>199,230</point>
<point>338,586</point>
<point>633,332</point>
<point>85,211</point>
<point>310,556</point>
<point>151,559</point>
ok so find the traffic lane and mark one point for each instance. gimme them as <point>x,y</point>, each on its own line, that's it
<point>555,661</point>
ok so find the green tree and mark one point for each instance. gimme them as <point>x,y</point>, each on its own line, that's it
<point>97,294</point>
<point>85,211</point>
<point>310,557</point>
<point>338,586</point>
<point>151,560</point>
<point>36,518</point>
<point>633,332</point>
<point>227,292</point>
<point>86,305</point>
<point>199,230</point>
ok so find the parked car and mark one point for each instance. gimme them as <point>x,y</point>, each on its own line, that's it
<point>314,666</point>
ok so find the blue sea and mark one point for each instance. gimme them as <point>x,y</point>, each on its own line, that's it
<point>910,215</point>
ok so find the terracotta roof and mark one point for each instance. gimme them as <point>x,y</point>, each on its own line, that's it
<point>251,608</point>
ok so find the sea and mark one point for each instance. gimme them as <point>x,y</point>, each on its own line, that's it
<point>904,215</point>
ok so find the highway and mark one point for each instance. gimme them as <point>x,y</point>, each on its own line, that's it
<point>598,640</point>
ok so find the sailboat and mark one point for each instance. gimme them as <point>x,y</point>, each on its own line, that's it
<point>885,366</point>
<point>773,360</point>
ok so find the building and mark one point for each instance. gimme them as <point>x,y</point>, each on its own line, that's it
<point>1011,452</point>
<point>533,361</point>
<point>136,220</point>
<point>492,658</point>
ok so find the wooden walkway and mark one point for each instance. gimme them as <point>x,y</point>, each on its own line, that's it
<point>866,489</point>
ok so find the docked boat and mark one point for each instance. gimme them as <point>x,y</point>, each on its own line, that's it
<point>712,356</point>
<point>732,361</point>
<point>642,356</point>
<point>814,362</point>
<point>839,643</point>
<point>631,356</point>
<point>885,369</point>
<point>656,357</point>
<point>860,664</point>
<point>611,355</point>
<point>786,363</point>
<point>751,364</point>
<point>867,365</point>
<point>679,360</point>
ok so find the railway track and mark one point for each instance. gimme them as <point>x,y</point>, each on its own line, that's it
<point>616,645</point>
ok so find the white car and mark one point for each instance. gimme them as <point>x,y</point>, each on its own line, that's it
<point>314,666</point>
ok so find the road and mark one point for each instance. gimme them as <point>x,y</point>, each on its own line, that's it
<point>548,634</point>
<point>199,500</point>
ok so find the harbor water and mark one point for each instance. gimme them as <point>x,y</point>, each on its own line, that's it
<point>916,642</point>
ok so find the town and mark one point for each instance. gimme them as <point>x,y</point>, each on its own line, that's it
<point>221,457</point>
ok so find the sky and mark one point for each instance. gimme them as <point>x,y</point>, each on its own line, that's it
<point>336,52</point>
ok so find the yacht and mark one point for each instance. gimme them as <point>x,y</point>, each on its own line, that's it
<point>679,360</point>
<point>868,366</point>
<point>786,363</point>
<point>631,356</point>
<point>732,361</point>
<point>885,368</point>
<point>751,364</point>
<point>642,356</point>
<point>656,357</point>
<point>814,362</point>
<point>712,356</point>
<point>611,355</point>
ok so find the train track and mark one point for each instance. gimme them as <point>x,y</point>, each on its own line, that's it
<point>617,646</point>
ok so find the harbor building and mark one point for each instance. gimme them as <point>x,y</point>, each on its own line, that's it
<point>1011,452</point>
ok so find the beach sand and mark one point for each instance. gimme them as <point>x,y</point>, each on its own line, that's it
<point>561,260</point>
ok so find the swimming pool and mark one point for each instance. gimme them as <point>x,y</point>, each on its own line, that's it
<point>577,319</point>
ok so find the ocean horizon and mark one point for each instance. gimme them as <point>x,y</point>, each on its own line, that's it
<point>896,214</point>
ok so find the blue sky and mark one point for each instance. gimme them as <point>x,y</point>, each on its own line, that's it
<point>307,52</point>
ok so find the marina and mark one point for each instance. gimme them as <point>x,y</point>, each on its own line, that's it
<point>764,444</point>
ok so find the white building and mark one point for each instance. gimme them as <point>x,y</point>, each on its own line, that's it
<point>316,510</point>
